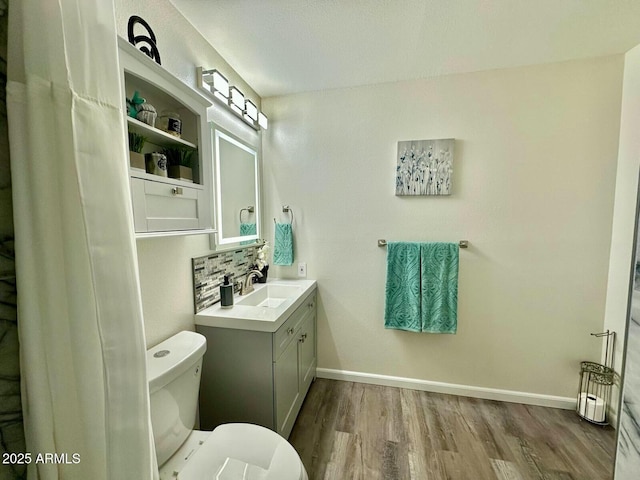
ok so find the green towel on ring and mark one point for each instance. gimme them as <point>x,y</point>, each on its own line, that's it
<point>283,245</point>
<point>402,301</point>
<point>247,229</point>
<point>439,289</point>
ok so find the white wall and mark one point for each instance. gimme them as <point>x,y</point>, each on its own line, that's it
<point>166,281</point>
<point>534,179</point>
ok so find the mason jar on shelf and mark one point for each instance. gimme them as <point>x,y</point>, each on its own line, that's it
<point>170,122</point>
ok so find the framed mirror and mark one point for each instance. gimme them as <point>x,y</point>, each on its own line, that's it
<point>237,189</point>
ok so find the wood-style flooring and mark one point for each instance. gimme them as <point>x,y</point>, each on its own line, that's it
<point>349,430</point>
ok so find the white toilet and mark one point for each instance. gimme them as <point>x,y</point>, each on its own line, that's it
<point>232,451</point>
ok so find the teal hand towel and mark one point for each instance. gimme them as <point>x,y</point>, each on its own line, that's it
<point>402,291</point>
<point>439,290</point>
<point>283,244</point>
<point>247,229</point>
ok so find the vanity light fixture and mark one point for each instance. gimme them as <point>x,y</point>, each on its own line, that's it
<point>220,86</point>
<point>206,79</point>
<point>263,121</point>
<point>236,101</point>
<point>216,84</point>
<point>250,111</point>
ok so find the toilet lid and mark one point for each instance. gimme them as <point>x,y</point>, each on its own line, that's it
<point>242,451</point>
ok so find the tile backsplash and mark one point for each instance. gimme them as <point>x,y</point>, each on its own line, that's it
<point>209,272</point>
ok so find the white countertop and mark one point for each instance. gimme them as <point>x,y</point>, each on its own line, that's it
<point>260,319</point>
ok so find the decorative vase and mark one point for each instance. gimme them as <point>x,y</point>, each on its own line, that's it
<point>146,114</point>
<point>264,272</point>
<point>136,160</point>
<point>170,122</point>
<point>181,173</point>
<point>147,117</point>
<point>156,163</point>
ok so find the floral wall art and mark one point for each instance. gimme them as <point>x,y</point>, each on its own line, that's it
<point>424,167</point>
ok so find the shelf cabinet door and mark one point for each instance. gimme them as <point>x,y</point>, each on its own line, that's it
<point>166,207</point>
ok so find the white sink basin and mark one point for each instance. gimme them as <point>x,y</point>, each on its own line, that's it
<point>264,309</point>
<point>270,296</point>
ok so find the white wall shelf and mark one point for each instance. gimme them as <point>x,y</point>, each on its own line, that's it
<point>155,135</point>
<point>163,205</point>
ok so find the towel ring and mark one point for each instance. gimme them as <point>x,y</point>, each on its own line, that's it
<point>249,209</point>
<point>286,209</point>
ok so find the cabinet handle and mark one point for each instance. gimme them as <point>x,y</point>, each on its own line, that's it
<point>304,337</point>
<point>290,330</point>
<point>176,191</point>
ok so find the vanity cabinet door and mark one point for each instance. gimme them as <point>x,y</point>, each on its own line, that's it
<point>295,367</point>
<point>307,353</point>
<point>286,388</point>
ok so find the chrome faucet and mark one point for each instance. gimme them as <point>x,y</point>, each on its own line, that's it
<point>247,285</point>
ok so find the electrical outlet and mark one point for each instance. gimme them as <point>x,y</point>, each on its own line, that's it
<point>302,269</point>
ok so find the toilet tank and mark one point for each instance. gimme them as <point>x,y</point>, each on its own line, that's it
<point>173,371</point>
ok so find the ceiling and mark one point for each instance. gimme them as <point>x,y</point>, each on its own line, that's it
<point>286,46</point>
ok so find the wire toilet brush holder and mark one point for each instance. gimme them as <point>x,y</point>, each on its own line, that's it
<point>596,380</point>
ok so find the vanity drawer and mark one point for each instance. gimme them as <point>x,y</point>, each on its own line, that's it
<point>287,332</point>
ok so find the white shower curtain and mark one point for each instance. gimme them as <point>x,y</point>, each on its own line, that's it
<point>85,395</point>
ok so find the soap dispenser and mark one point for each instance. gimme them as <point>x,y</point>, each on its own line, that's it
<point>226,293</point>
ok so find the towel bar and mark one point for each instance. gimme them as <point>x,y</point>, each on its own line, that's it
<point>461,244</point>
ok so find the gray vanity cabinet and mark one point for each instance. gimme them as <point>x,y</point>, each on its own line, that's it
<point>259,377</point>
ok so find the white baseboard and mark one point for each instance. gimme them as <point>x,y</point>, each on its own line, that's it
<point>526,398</point>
